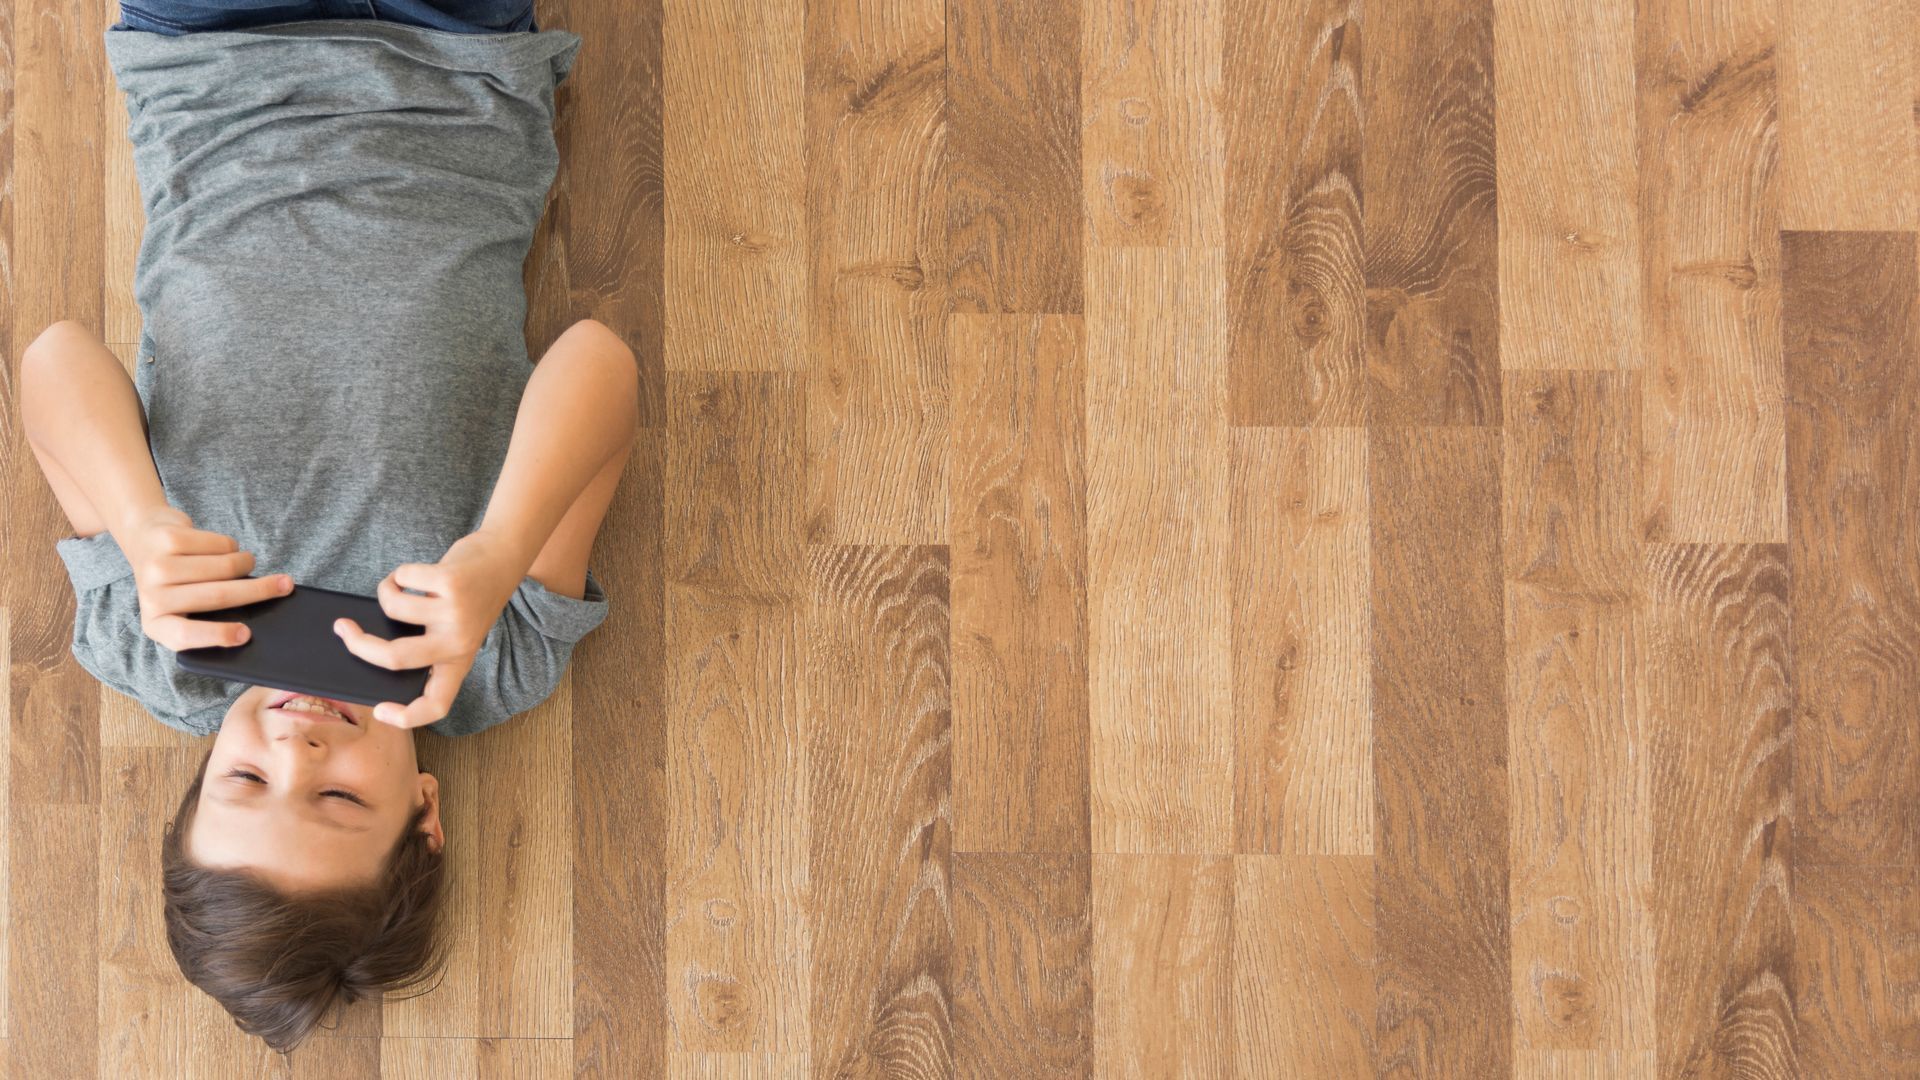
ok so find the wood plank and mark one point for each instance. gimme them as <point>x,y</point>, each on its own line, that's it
<point>455,1007</point>
<point>123,219</point>
<point>611,209</point>
<point>1439,734</point>
<point>1719,711</point>
<point>1583,1065</point>
<point>1018,492</point>
<point>1158,549</point>
<point>1847,140</point>
<point>52,972</point>
<point>1582,847</point>
<point>877,217</point>
<point>1852,337</point>
<point>1851,317</point>
<point>1430,223</point>
<point>1569,184</point>
<point>1014,220</point>
<point>1295,278</point>
<point>1162,959</point>
<point>741,1067</point>
<point>1303,965</point>
<point>481,1059</point>
<point>1022,1003</point>
<point>738,948</point>
<point>880,781</point>
<point>621,812</point>
<point>735,265</point>
<point>1302,633</point>
<point>1150,133</point>
<point>1715,444</point>
<point>1855,956</point>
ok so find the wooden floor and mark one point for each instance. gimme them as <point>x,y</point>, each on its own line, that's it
<point>1170,538</point>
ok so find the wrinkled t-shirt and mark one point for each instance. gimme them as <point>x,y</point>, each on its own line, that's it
<point>331,353</point>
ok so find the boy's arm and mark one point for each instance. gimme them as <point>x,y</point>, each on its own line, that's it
<point>570,439</point>
<point>81,412</point>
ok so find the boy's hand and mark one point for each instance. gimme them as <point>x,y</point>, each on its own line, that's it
<point>178,569</point>
<point>467,589</point>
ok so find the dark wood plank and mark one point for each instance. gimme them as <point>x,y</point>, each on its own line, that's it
<point>1719,704</point>
<point>1013,105</point>
<point>876,277</point>
<point>620,805</point>
<point>880,783</point>
<point>1022,990</point>
<point>1577,729</point>
<point>1019,584</point>
<point>736,842</point>
<point>1714,452</point>
<point>1296,286</point>
<point>1440,753</point>
<point>1852,342</point>
<point>1430,226</point>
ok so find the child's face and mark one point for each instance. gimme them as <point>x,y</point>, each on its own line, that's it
<point>293,824</point>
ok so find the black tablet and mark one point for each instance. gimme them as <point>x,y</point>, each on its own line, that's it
<point>293,647</point>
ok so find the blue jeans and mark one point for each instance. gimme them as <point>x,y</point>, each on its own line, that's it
<point>175,17</point>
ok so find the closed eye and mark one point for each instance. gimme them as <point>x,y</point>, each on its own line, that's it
<point>242,774</point>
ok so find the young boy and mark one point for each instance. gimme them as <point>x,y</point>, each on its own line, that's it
<point>332,389</point>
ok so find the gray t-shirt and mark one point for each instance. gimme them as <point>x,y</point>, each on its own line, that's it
<point>331,356</point>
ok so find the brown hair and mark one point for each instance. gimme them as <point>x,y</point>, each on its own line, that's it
<point>280,963</point>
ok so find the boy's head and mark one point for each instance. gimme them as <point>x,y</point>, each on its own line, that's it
<point>302,869</point>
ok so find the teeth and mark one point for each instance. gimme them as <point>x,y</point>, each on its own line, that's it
<point>302,704</point>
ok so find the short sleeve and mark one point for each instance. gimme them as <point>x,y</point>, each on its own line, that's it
<point>524,655</point>
<point>109,644</point>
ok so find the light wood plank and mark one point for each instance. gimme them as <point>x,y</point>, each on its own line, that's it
<point>1162,977</point>
<point>481,1059</point>
<point>53,940</point>
<point>1019,584</point>
<point>1303,965</point>
<point>877,217</point>
<point>736,266</point>
<point>1568,173</point>
<point>741,1067</point>
<point>1848,156</point>
<point>1582,845</point>
<point>1302,633</point>
<point>739,953</point>
<point>1296,288</point>
<point>879,713</point>
<point>1158,550</point>
<point>1151,139</point>
<point>1714,450</point>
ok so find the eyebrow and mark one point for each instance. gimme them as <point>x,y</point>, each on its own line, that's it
<point>245,803</point>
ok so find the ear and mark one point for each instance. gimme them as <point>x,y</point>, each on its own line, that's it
<point>430,824</point>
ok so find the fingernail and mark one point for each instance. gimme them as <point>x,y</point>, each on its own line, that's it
<point>286,581</point>
<point>240,636</point>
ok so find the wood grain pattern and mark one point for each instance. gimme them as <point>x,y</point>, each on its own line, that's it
<point>620,802</point>
<point>1022,1003</point>
<point>1714,453</point>
<point>1303,965</point>
<point>1150,127</point>
<point>1568,174</point>
<point>1582,847</point>
<point>1856,970</point>
<point>1439,753</point>
<point>1019,555</point>
<point>735,265</point>
<point>1430,223</point>
<point>738,938</point>
<point>1158,547</point>
<point>1847,136</point>
<point>879,729</point>
<point>1721,761</point>
<point>1295,277</point>
<point>51,946</point>
<point>1162,939</point>
<point>1014,223</point>
<point>482,1059</point>
<point>1302,633</point>
<point>1852,340</point>
<point>877,216</point>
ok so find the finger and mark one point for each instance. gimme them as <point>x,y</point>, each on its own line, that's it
<point>174,569</point>
<point>434,702</point>
<point>423,577</point>
<point>184,540</point>
<point>417,651</point>
<point>180,633</point>
<point>404,606</point>
<point>218,595</point>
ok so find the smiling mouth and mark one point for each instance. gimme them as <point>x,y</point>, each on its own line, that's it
<point>338,711</point>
